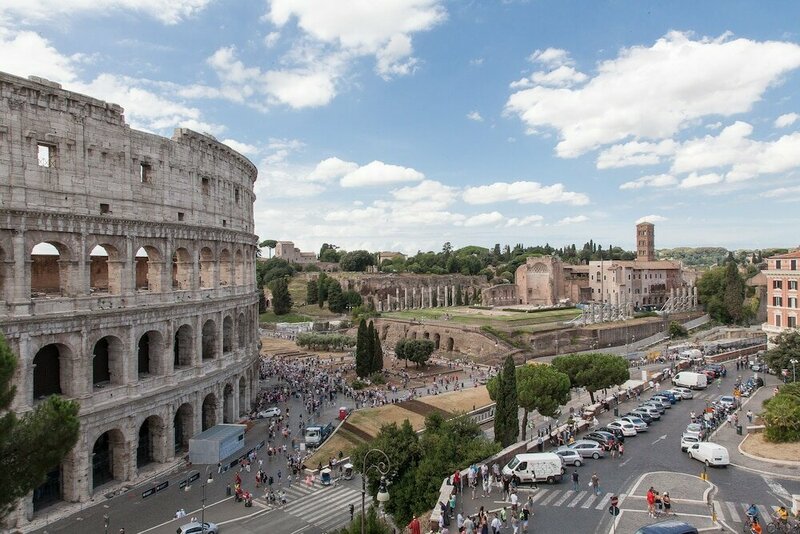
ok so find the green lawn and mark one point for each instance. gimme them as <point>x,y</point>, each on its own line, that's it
<point>292,317</point>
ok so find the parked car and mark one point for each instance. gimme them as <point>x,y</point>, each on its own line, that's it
<point>196,527</point>
<point>728,400</point>
<point>667,394</point>
<point>655,405</point>
<point>618,433</point>
<point>719,368</point>
<point>693,429</point>
<point>662,400</point>
<point>687,440</point>
<point>670,526</point>
<point>709,453</point>
<point>644,415</point>
<point>638,423</point>
<point>606,439</point>
<point>588,448</point>
<point>758,366</point>
<point>650,410</point>
<point>686,393</point>
<point>714,373</point>
<point>269,413</point>
<point>570,456</point>
<point>621,428</point>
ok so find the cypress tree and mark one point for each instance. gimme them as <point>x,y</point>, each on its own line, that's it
<point>508,392</point>
<point>362,357</point>
<point>377,354</point>
<point>311,292</point>
<point>370,352</point>
<point>500,423</point>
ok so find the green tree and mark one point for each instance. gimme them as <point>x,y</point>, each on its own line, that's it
<point>787,348</point>
<point>322,288</point>
<point>377,352</point>
<point>676,330</point>
<point>336,302</point>
<point>281,299</point>
<point>373,524</point>
<point>782,417</point>
<point>541,388</point>
<point>711,292</point>
<point>36,443</point>
<point>594,371</point>
<point>417,351</point>
<point>328,253</point>
<point>733,297</point>
<point>506,414</point>
<point>268,244</point>
<point>370,346</point>
<point>311,292</point>
<point>363,360</point>
<point>352,299</point>
<point>356,261</point>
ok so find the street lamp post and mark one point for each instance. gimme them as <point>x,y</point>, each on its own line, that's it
<point>208,480</point>
<point>383,495</point>
<point>105,522</point>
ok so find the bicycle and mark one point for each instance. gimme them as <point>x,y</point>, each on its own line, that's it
<point>776,524</point>
<point>747,525</point>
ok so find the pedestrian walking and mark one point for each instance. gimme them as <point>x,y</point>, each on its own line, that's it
<point>750,416</point>
<point>621,450</point>
<point>595,483</point>
<point>575,480</point>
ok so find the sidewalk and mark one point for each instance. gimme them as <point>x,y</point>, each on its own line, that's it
<point>726,436</point>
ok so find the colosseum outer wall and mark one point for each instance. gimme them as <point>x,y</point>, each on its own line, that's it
<point>127,282</point>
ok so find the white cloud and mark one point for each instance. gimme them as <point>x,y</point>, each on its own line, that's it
<point>474,116</point>
<point>166,11</point>
<point>783,193</point>
<point>271,39</point>
<point>563,76</point>
<point>675,81</point>
<point>653,180</point>
<point>524,193</point>
<point>525,221</point>
<point>27,53</point>
<point>635,153</point>
<point>572,220</point>
<point>436,194</point>
<point>651,219</point>
<point>551,57</point>
<point>242,148</point>
<point>787,119</point>
<point>476,62</point>
<point>484,219</point>
<point>695,180</point>
<point>330,169</point>
<point>380,173</point>
<point>394,59</point>
<point>522,83</point>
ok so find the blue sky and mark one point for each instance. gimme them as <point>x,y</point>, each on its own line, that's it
<point>401,124</point>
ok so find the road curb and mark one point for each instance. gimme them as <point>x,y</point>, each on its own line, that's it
<point>762,459</point>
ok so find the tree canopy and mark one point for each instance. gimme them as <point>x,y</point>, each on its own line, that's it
<point>36,443</point>
<point>541,388</point>
<point>417,351</point>
<point>369,354</point>
<point>782,415</point>
<point>787,348</point>
<point>506,413</point>
<point>281,299</point>
<point>594,371</point>
<point>721,291</point>
<point>357,260</point>
<point>267,271</point>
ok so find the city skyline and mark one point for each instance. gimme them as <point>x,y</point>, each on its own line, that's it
<point>405,124</point>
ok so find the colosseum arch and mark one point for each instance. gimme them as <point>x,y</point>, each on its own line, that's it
<point>183,347</point>
<point>107,362</point>
<point>50,269</point>
<point>209,411</point>
<point>183,427</point>
<point>181,269</point>
<point>243,404</point>
<point>108,457</point>
<point>149,264</point>
<point>210,335</point>
<point>228,412</point>
<point>208,268</point>
<point>436,339</point>
<point>105,269</point>
<point>50,491</point>
<point>241,332</point>
<point>239,268</point>
<point>226,268</point>
<point>150,354</point>
<point>150,445</point>
<point>52,372</point>
<point>227,334</point>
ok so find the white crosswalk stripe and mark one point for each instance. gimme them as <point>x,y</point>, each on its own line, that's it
<point>327,508</point>
<point>567,495</point>
<point>589,501</point>
<point>550,497</point>
<point>577,499</point>
<point>603,501</point>
<point>733,513</point>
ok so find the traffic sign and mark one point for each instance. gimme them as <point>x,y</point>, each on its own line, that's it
<point>613,510</point>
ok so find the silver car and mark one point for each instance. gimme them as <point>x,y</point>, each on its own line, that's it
<point>686,393</point>
<point>195,527</point>
<point>588,448</point>
<point>570,456</point>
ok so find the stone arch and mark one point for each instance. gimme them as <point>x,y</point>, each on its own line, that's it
<point>150,444</point>
<point>228,413</point>
<point>436,339</point>
<point>183,427</point>
<point>181,269</point>
<point>226,268</point>
<point>150,354</point>
<point>183,347</point>
<point>50,268</point>
<point>52,366</point>
<point>148,264</point>
<point>426,335</point>
<point>450,344</point>
<point>207,268</point>
<point>539,268</point>
<point>239,267</point>
<point>227,334</point>
<point>108,457</point>
<point>243,404</point>
<point>209,411</point>
<point>107,362</point>
<point>241,331</point>
<point>209,348</point>
<point>105,269</point>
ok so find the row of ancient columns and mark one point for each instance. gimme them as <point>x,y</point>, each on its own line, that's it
<point>445,296</point>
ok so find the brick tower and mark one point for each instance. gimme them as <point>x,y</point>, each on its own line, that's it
<point>645,242</point>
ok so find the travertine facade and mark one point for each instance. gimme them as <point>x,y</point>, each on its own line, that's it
<point>126,281</point>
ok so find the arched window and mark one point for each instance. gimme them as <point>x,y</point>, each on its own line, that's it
<point>107,362</point>
<point>183,427</point>
<point>107,458</point>
<point>228,415</point>
<point>227,334</point>
<point>148,264</point>
<point>209,411</point>
<point>49,270</point>
<point>47,372</point>
<point>209,340</point>
<point>243,407</point>
<point>150,349</point>
<point>241,325</point>
<point>239,268</point>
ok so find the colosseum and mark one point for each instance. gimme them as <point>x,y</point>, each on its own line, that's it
<point>127,282</point>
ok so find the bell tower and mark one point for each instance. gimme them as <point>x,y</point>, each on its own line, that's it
<point>645,242</point>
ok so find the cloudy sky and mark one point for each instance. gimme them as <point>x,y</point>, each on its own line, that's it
<point>401,124</point>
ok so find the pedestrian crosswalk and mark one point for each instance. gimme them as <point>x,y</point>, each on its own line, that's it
<point>734,512</point>
<point>585,499</point>
<point>327,507</point>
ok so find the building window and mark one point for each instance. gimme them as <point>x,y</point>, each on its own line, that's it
<point>105,208</point>
<point>145,173</point>
<point>793,284</point>
<point>777,301</point>
<point>792,322</point>
<point>777,284</point>
<point>777,319</point>
<point>224,222</point>
<point>777,264</point>
<point>205,185</point>
<point>180,215</point>
<point>45,154</point>
<point>792,302</point>
<point>793,265</point>
<point>236,194</point>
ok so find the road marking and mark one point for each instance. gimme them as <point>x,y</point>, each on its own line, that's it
<point>589,501</point>
<point>550,497</point>
<point>778,490</point>
<point>625,462</point>
<point>190,514</point>
<point>733,513</point>
<point>576,500</point>
<point>567,495</point>
<point>301,529</point>
<point>662,438</point>
<point>536,496</point>
<point>603,501</point>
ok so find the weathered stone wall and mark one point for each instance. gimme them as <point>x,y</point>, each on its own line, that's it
<point>162,345</point>
<point>464,340</point>
<point>500,295</point>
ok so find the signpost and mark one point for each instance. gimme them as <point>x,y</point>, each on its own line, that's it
<point>613,509</point>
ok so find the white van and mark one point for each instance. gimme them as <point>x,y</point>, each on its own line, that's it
<point>536,467</point>
<point>688,379</point>
<point>709,453</point>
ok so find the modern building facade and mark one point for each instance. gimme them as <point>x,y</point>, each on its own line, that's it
<point>782,277</point>
<point>127,282</point>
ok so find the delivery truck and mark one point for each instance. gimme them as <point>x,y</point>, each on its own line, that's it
<point>688,379</point>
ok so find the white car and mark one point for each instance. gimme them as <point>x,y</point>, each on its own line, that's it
<point>637,423</point>
<point>687,440</point>
<point>685,393</point>
<point>728,400</point>
<point>693,429</point>
<point>269,413</point>
<point>628,429</point>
